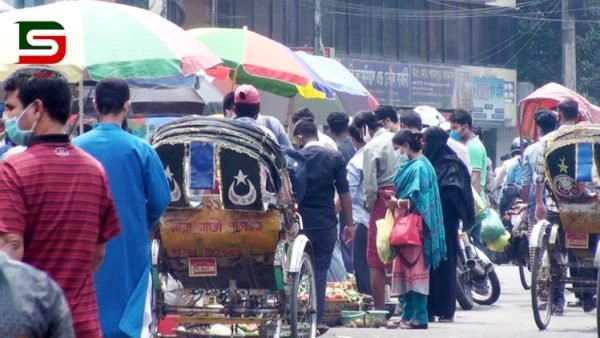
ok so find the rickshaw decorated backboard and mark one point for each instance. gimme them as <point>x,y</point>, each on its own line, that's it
<point>231,224</point>
<point>572,166</point>
<point>569,241</point>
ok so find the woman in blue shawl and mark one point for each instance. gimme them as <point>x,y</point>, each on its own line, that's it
<point>417,190</point>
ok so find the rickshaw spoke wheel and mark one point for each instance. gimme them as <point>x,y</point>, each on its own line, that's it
<point>303,301</point>
<point>525,266</point>
<point>541,286</point>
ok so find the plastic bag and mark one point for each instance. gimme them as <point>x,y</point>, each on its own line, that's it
<point>492,227</point>
<point>384,229</point>
<point>479,204</point>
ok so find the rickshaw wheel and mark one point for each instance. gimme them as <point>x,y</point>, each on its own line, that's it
<point>525,267</point>
<point>541,286</point>
<point>303,301</point>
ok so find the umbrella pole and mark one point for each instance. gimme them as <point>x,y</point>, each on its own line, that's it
<point>81,107</point>
<point>289,117</point>
<point>234,79</point>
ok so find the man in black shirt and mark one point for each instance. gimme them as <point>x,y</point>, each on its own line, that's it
<point>326,173</point>
<point>339,125</point>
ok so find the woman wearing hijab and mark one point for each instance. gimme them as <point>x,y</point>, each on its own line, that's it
<point>417,191</point>
<point>454,184</point>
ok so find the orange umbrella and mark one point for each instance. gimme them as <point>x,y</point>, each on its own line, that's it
<point>549,97</point>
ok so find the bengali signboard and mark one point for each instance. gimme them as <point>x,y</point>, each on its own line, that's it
<point>405,85</point>
<point>489,101</point>
<point>388,82</point>
<point>432,86</point>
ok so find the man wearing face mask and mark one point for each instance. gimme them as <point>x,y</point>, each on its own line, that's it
<point>12,110</point>
<point>411,121</point>
<point>462,130</point>
<point>389,117</point>
<point>380,163</point>
<point>63,230</point>
<point>326,176</point>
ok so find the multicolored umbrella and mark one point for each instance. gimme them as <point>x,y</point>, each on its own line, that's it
<point>257,60</point>
<point>102,40</point>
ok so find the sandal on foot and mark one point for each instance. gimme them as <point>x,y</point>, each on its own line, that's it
<point>446,319</point>
<point>413,326</point>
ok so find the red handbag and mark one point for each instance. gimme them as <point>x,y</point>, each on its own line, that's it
<point>407,230</point>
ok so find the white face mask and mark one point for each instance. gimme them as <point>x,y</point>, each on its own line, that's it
<point>401,156</point>
<point>366,134</point>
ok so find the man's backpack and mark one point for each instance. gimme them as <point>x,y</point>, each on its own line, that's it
<point>297,167</point>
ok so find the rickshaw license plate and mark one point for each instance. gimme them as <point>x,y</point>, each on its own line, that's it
<point>202,267</point>
<point>577,240</point>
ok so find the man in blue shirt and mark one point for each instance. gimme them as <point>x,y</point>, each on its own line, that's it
<point>326,174</point>
<point>141,194</point>
<point>356,177</point>
<point>546,122</point>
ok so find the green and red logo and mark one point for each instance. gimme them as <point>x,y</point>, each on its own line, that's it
<point>41,42</point>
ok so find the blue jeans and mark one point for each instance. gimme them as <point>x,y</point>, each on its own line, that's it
<point>323,242</point>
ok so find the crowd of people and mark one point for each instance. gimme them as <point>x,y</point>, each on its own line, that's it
<point>82,210</point>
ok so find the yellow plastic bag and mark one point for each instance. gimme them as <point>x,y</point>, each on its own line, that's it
<point>384,229</point>
<point>479,204</point>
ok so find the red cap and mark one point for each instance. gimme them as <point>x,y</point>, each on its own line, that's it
<point>247,94</point>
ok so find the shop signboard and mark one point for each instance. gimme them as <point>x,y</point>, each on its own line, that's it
<point>489,101</point>
<point>432,86</point>
<point>389,82</point>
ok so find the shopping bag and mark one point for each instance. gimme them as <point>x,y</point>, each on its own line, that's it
<point>407,230</point>
<point>384,229</point>
<point>479,204</point>
<point>492,227</point>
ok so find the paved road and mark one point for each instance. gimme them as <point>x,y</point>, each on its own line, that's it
<point>510,317</point>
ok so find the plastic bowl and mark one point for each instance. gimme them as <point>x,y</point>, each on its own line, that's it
<point>375,318</point>
<point>353,319</point>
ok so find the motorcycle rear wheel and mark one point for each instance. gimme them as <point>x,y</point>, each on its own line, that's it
<point>494,291</point>
<point>464,294</point>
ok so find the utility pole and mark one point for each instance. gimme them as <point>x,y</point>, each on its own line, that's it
<point>569,56</point>
<point>213,20</point>
<point>317,27</point>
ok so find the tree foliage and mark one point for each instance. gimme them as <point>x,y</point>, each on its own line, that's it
<point>540,43</point>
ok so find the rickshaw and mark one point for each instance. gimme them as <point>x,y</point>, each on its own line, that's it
<point>572,162</point>
<point>231,236</point>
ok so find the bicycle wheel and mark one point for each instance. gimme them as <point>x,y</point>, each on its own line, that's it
<point>303,301</point>
<point>541,286</point>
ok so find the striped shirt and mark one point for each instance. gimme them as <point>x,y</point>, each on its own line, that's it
<point>57,198</point>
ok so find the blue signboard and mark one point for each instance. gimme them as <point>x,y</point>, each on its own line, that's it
<point>488,100</point>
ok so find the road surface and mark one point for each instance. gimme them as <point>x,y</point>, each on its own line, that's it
<point>510,317</point>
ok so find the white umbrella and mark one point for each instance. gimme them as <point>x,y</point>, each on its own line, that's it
<point>4,7</point>
<point>430,116</point>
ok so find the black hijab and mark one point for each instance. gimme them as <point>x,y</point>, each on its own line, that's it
<point>454,180</point>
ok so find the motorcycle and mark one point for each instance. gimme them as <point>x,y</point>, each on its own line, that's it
<point>518,248</point>
<point>515,219</point>
<point>477,282</point>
